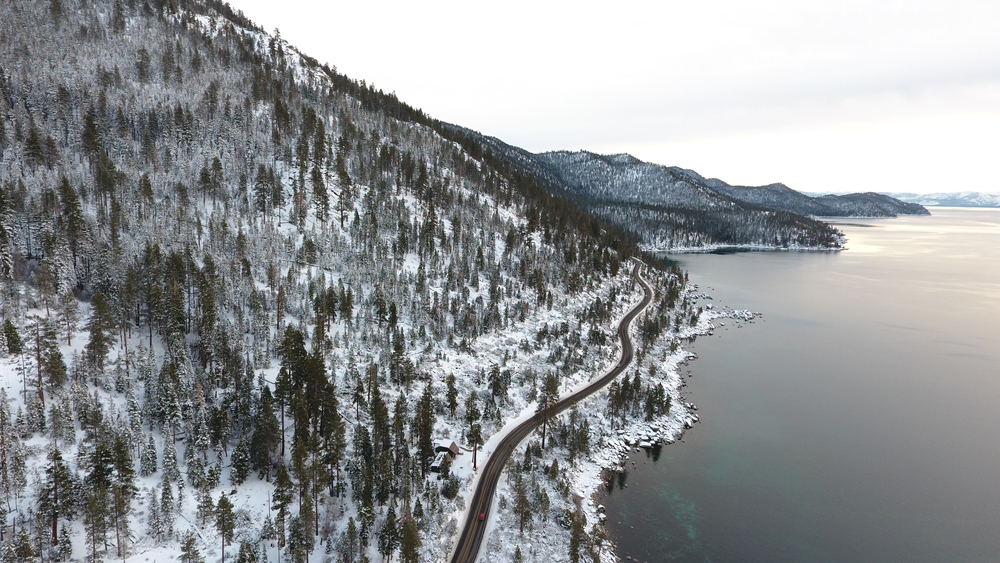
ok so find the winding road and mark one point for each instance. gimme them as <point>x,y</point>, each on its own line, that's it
<point>467,548</point>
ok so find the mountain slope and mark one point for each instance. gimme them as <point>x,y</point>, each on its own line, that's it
<point>675,209</point>
<point>666,208</point>
<point>230,272</point>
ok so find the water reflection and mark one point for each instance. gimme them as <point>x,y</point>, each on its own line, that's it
<point>855,423</point>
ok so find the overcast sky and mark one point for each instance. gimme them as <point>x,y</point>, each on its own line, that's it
<point>823,96</point>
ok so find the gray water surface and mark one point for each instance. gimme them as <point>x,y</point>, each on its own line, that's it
<point>858,420</point>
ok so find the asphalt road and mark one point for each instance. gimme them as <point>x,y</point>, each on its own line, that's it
<point>467,548</point>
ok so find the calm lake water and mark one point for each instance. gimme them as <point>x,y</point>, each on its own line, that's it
<point>858,420</point>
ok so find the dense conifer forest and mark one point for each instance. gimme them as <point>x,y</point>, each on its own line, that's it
<point>245,297</point>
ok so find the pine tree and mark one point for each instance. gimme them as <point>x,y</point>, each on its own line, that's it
<point>423,422</point>
<point>410,544</point>
<point>73,220</point>
<point>472,413</point>
<point>547,397</point>
<point>52,366</point>
<point>350,539</point>
<point>147,464</point>
<point>522,505</point>
<point>134,418</point>
<point>451,394</point>
<point>68,314</point>
<point>100,324</point>
<point>248,554</point>
<point>206,506</point>
<point>321,197</point>
<point>56,497</point>
<point>388,535</point>
<point>65,544</point>
<point>577,535</point>
<point>166,506</point>
<point>7,445</point>
<point>123,490</point>
<point>189,549</point>
<point>240,463</point>
<point>225,521</point>
<point>153,523</point>
<point>218,429</point>
<point>280,500</point>
<point>359,398</point>
<point>475,436</point>
<point>170,469</point>
<point>34,151</point>
<point>265,439</point>
<point>95,517</point>
<point>21,548</point>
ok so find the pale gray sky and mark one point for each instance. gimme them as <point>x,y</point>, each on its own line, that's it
<point>823,96</point>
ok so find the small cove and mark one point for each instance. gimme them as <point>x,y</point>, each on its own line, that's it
<point>855,421</point>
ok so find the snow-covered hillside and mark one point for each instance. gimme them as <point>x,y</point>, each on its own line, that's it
<point>243,296</point>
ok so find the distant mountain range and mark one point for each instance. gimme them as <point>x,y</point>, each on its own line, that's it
<point>671,208</point>
<point>953,199</point>
<point>623,177</point>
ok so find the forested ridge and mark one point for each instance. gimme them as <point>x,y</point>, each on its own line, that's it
<point>666,208</point>
<point>244,296</point>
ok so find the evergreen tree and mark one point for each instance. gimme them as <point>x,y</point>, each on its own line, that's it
<point>189,549</point>
<point>522,505</point>
<point>8,444</point>
<point>240,463</point>
<point>451,394</point>
<point>170,469</point>
<point>472,413</point>
<point>56,497</point>
<point>147,464</point>
<point>225,521</point>
<point>95,517</point>
<point>65,548</point>
<point>547,397</point>
<point>99,326</point>
<point>475,436</point>
<point>280,499</point>
<point>167,506</point>
<point>21,548</point>
<point>388,535</point>
<point>423,422</point>
<point>153,523</point>
<point>52,366</point>
<point>350,539</point>
<point>265,439</point>
<point>577,535</point>
<point>68,314</point>
<point>123,491</point>
<point>409,549</point>
<point>248,554</point>
<point>71,214</point>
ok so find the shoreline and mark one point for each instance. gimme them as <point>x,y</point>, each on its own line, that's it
<point>575,487</point>
<point>710,248</point>
<point>636,435</point>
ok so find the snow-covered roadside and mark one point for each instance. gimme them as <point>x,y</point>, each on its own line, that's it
<point>519,408</point>
<point>572,487</point>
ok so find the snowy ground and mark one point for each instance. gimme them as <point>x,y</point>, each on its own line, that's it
<point>547,535</point>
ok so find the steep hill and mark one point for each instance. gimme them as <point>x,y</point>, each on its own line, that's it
<point>666,208</point>
<point>243,295</point>
<point>671,208</point>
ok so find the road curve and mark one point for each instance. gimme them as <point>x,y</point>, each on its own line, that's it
<point>467,548</point>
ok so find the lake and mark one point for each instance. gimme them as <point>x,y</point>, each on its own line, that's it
<point>857,420</point>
